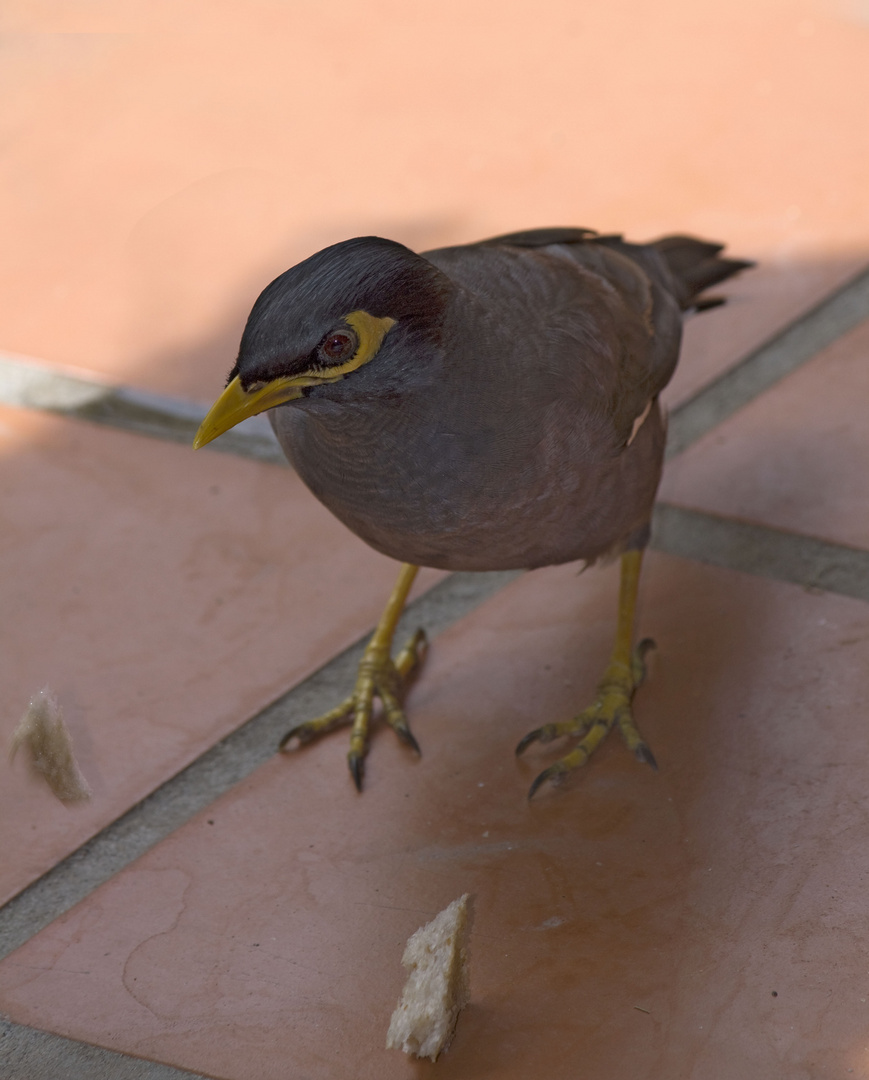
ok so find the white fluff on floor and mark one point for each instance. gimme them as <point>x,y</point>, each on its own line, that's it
<point>45,737</point>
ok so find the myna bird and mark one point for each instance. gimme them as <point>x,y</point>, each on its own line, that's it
<point>484,407</point>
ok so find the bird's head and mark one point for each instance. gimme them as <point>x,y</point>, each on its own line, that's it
<point>325,319</point>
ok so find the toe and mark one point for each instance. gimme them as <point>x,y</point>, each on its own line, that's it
<point>412,655</point>
<point>304,733</point>
<point>579,725</point>
<point>638,661</point>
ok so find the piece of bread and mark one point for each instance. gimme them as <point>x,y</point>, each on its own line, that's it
<point>437,987</point>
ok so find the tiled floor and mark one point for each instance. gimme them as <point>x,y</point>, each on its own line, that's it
<point>779,461</point>
<point>707,921</point>
<point>637,921</point>
<point>147,609</point>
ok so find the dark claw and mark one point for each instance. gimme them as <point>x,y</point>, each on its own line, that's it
<point>646,645</point>
<point>357,769</point>
<point>293,733</point>
<point>542,734</point>
<point>554,774</point>
<point>644,754</point>
<point>406,736</point>
<point>525,742</point>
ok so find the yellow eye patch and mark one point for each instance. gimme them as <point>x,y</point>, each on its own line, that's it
<point>371,331</point>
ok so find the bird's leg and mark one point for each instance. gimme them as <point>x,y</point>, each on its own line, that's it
<point>378,676</point>
<point>612,704</point>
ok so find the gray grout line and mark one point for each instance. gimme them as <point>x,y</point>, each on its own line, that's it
<point>28,1054</point>
<point>223,766</point>
<point>785,352</point>
<point>27,384</point>
<point>761,550</point>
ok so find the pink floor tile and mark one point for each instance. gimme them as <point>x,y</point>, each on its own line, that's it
<point>795,458</point>
<point>760,303</point>
<point>166,597</point>
<point>705,921</point>
<point>161,166</point>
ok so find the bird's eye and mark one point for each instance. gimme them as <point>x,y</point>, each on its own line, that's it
<point>337,346</point>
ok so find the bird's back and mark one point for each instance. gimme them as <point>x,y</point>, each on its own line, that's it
<point>600,315</point>
<point>540,440</point>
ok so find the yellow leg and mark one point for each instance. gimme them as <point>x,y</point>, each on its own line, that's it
<point>378,676</point>
<point>612,704</point>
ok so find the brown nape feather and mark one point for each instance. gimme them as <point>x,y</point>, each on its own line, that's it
<point>694,266</point>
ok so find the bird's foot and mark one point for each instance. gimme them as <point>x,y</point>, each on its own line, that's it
<point>378,676</point>
<point>611,708</point>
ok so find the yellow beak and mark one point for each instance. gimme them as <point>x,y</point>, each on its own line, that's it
<point>236,404</point>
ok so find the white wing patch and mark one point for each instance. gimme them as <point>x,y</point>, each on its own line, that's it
<point>640,420</point>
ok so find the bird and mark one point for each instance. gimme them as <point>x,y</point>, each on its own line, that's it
<point>484,406</point>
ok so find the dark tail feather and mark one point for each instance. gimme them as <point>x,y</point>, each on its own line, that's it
<point>694,266</point>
